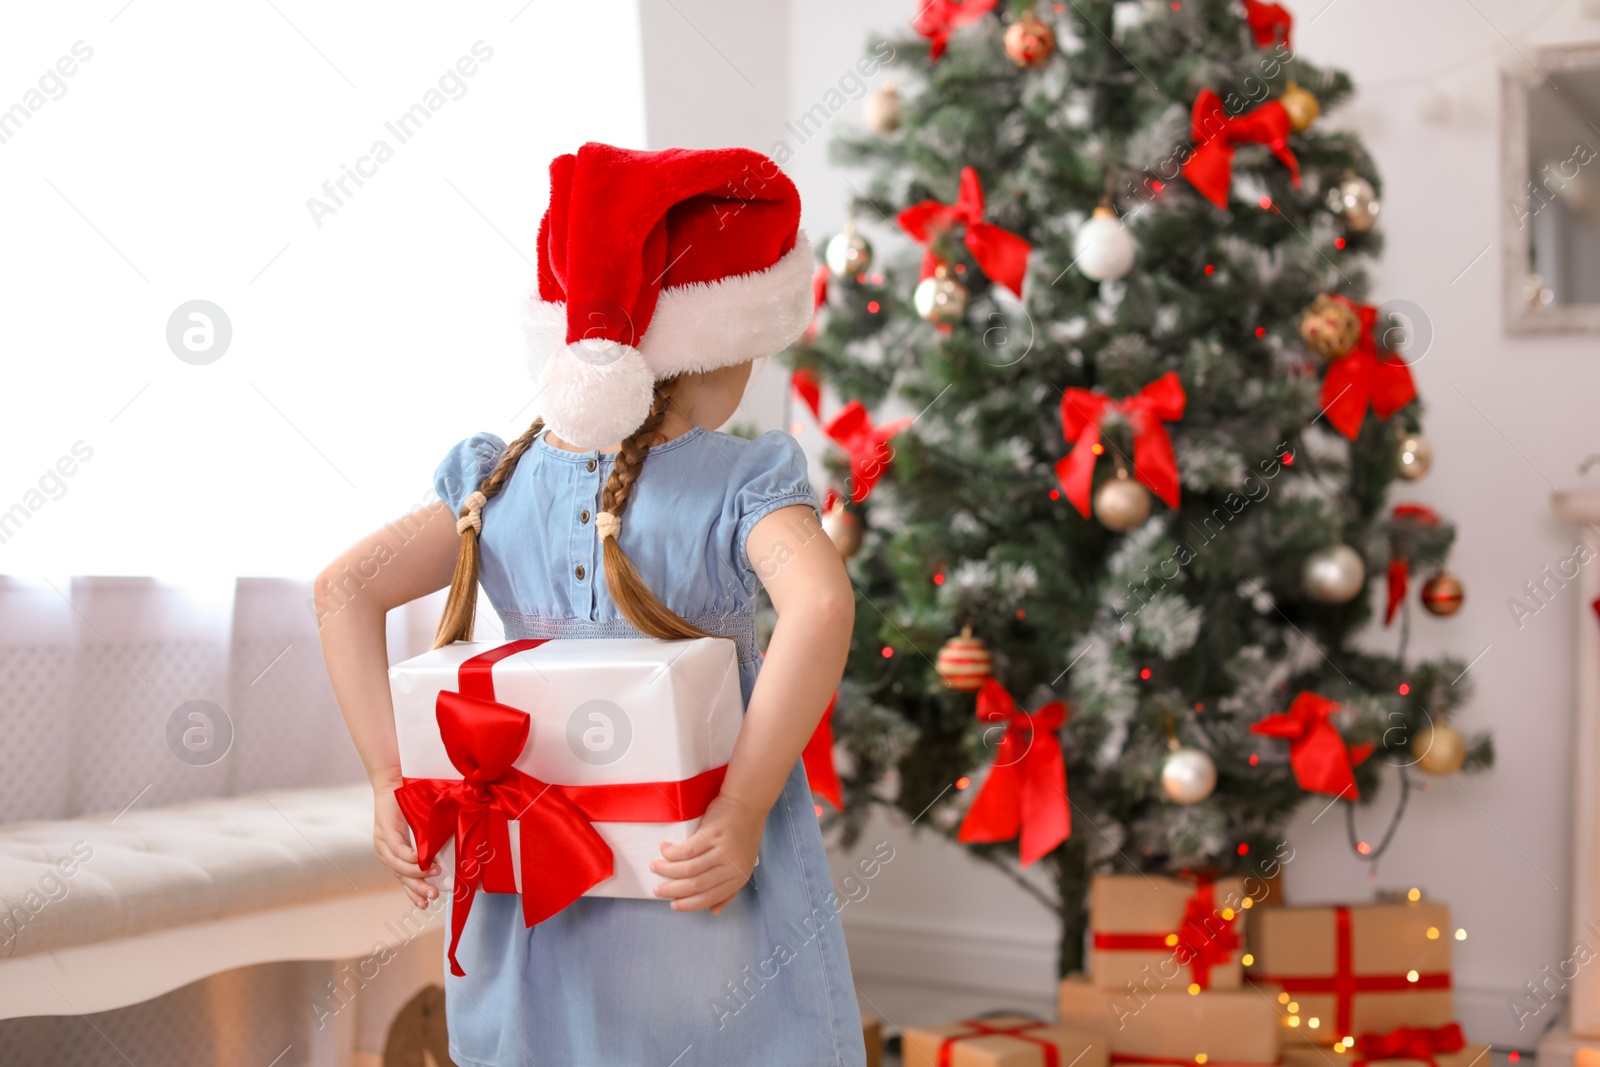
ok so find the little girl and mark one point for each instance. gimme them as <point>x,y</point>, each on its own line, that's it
<point>661,276</point>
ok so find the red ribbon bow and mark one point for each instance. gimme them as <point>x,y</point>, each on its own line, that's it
<point>818,760</point>
<point>1215,135</point>
<point>819,296</point>
<point>867,446</point>
<point>1399,566</point>
<point>1269,22</point>
<point>1201,942</point>
<point>1411,1043</point>
<point>1154,464</point>
<point>1001,254</point>
<point>563,856</point>
<point>806,387</point>
<point>939,18</point>
<point>978,1028</point>
<point>1322,762</point>
<point>1365,376</point>
<point>1025,794</point>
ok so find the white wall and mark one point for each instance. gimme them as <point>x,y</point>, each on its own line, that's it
<point>1509,420</point>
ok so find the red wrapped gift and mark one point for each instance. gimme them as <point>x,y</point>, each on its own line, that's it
<point>1172,1026</point>
<point>1165,928</point>
<point>1355,970</point>
<point>1001,1041</point>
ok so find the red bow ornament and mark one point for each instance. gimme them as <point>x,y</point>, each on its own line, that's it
<point>1025,794</point>
<point>867,446</point>
<point>819,296</point>
<point>1365,376</point>
<point>562,855</point>
<point>1410,1043</point>
<point>1147,411</point>
<point>1001,254</point>
<point>809,391</point>
<point>818,760</point>
<point>1215,136</point>
<point>1399,565</point>
<point>937,19</point>
<point>1322,762</point>
<point>1269,22</point>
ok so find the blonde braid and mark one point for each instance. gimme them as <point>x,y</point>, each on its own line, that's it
<point>461,606</point>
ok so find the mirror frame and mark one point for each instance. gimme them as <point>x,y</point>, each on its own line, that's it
<point>1515,83</point>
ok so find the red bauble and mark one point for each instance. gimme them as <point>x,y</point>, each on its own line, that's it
<point>1030,41</point>
<point>1442,594</point>
<point>963,663</point>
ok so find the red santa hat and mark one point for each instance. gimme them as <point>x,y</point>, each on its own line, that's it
<point>653,264</point>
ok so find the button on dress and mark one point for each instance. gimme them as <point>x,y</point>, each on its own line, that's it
<point>614,982</point>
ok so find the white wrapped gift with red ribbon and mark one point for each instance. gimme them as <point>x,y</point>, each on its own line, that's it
<point>555,768</point>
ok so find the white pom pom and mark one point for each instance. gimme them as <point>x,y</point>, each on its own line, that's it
<point>595,393</point>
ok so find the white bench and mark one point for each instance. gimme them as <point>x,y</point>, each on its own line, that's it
<point>100,912</point>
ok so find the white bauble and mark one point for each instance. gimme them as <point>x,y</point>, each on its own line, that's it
<point>1103,247</point>
<point>1334,575</point>
<point>1188,775</point>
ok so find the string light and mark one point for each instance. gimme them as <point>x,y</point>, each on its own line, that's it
<point>938,579</point>
<point>1228,914</point>
<point>872,306</point>
<point>1194,989</point>
<point>1098,449</point>
<point>1055,494</point>
<point>1244,850</point>
<point>1294,1020</point>
<point>1254,759</point>
<point>795,428</point>
<point>1145,674</point>
<point>1209,269</point>
<point>1338,242</point>
<point>1313,1022</point>
<point>1261,331</point>
<point>1412,976</point>
<point>1021,614</point>
<point>963,782</point>
<point>819,810</point>
<point>887,652</point>
<point>861,279</point>
<point>1288,459</point>
<point>1172,940</point>
<point>1364,848</point>
<point>1461,934</point>
<point>1266,203</point>
<point>1283,998</point>
<point>1248,903</point>
<point>1514,1056</point>
<point>1413,894</point>
<point>1247,959</point>
<point>1405,690</point>
<point>1433,933</point>
<point>1294,1006</point>
<point>877,279</point>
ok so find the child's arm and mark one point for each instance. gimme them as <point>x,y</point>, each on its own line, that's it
<point>805,658</point>
<point>353,594</point>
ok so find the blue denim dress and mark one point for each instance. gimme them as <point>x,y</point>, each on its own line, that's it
<point>630,983</point>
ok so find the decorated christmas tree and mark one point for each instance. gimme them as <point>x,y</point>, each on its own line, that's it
<point>1115,433</point>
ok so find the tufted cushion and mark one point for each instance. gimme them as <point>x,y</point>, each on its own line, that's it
<point>97,878</point>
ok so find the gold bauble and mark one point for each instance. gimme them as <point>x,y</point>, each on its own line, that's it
<point>1355,202</point>
<point>881,109</point>
<point>1443,594</point>
<point>963,662</point>
<point>1334,575</point>
<point>1301,107</point>
<point>939,298</point>
<point>1440,749</point>
<point>847,254</point>
<point>1029,41</point>
<point>1415,458</point>
<point>1330,327</point>
<point>1121,503</point>
<point>843,529</point>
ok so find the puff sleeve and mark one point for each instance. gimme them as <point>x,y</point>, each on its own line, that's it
<point>465,467</point>
<point>774,470</point>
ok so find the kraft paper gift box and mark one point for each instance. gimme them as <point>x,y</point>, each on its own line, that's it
<point>1356,970</point>
<point>872,1036</point>
<point>1411,1047</point>
<point>555,768</point>
<point>1000,1041</point>
<point>1180,931</point>
<point>1169,1025</point>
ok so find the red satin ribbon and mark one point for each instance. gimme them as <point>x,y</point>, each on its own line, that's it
<point>1410,1043</point>
<point>806,387</point>
<point>1187,1061</point>
<point>979,1028</point>
<point>1345,984</point>
<point>1154,464</point>
<point>1198,945</point>
<point>818,760</point>
<point>1322,762</point>
<point>562,855</point>
<point>1399,566</point>
<point>1365,376</point>
<point>819,296</point>
<point>1269,22</point>
<point>1215,135</point>
<point>1001,254</point>
<point>866,445</point>
<point>937,19</point>
<point>1025,794</point>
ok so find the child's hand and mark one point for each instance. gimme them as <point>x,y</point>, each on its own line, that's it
<point>391,840</point>
<point>707,870</point>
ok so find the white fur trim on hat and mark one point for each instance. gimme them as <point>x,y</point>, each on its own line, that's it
<point>733,320</point>
<point>593,393</point>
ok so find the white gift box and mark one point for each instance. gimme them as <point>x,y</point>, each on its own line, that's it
<point>603,712</point>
